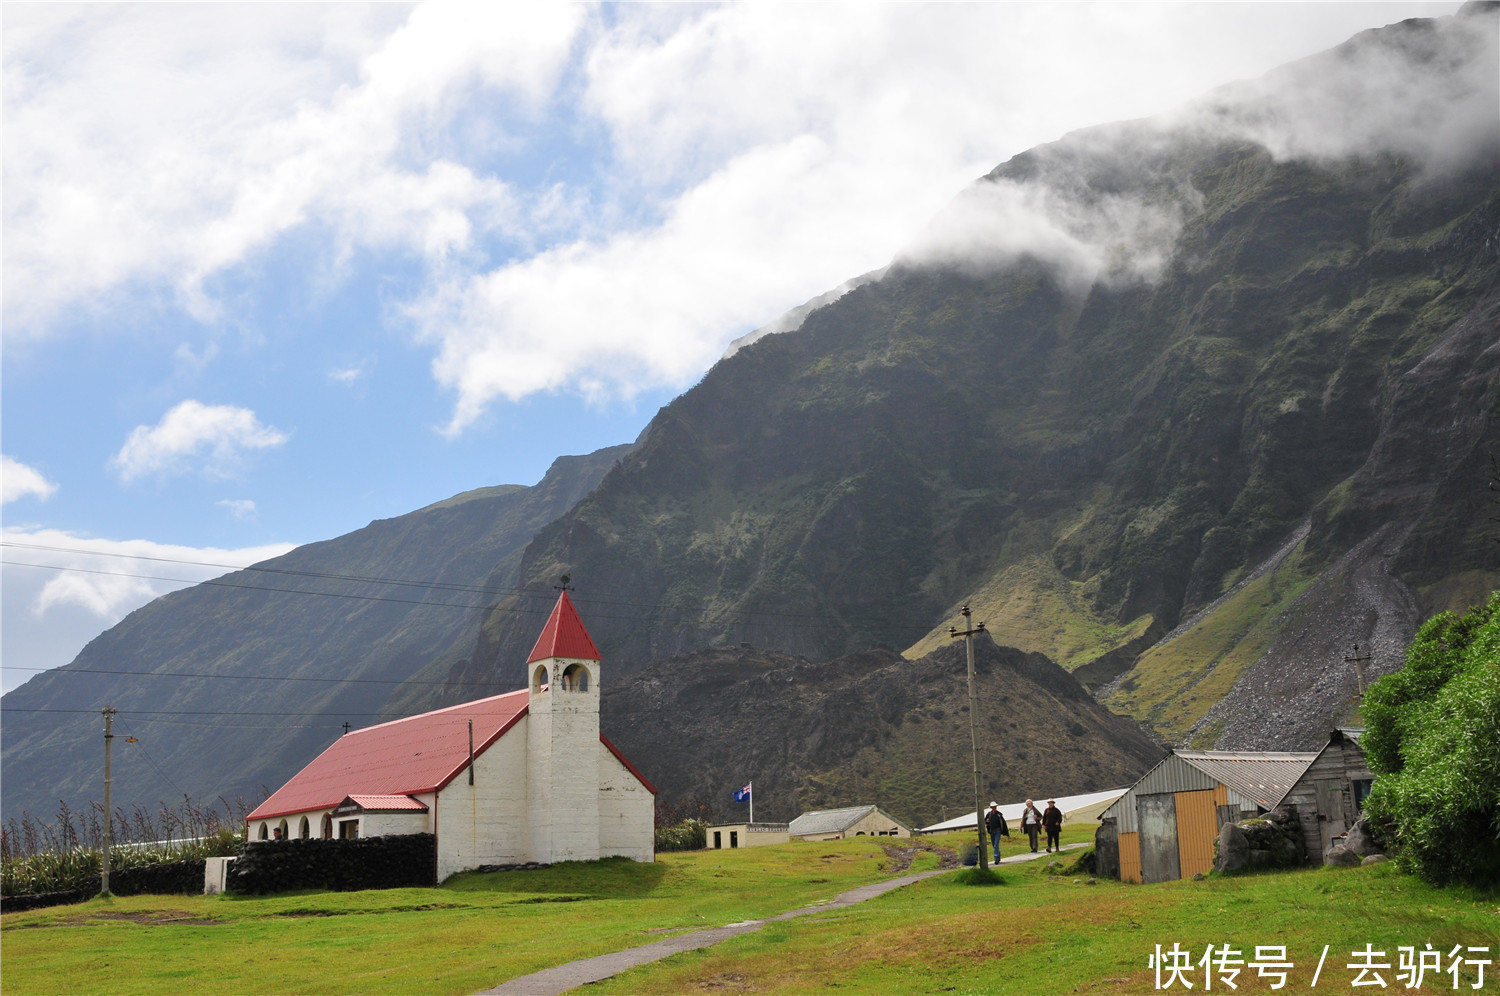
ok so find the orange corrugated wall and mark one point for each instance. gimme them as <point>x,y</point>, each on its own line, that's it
<point>1130,857</point>
<point>1197,826</point>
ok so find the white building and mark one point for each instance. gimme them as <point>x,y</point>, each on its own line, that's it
<point>515,778</point>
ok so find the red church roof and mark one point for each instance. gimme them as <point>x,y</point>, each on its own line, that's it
<point>564,635</point>
<point>405,757</point>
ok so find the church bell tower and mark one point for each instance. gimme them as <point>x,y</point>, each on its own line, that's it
<point>563,750</point>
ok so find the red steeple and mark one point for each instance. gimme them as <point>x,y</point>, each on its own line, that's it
<point>564,635</point>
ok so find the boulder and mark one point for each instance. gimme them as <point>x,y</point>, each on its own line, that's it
<point>1360,840</point>
<point>1374,859</point>
<point>1231,849</point>
<point>1339,854</point>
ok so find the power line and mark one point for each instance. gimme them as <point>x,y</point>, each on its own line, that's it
<point>517,591</point>
<point>244,677</point>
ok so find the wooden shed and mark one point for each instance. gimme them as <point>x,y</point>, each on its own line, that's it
<point>1330,794</point>
<point>1164,827</point>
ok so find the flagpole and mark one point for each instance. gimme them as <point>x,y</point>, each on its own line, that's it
<point>752,801</point>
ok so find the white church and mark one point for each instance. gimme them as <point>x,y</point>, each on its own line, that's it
<point>515,778</point>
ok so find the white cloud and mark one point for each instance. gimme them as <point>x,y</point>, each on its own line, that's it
<point>18,480</point>
<point>346,375</point>
<point>216,436</point>
<point>165,145</point>
<point>61,590</point>
<point>242,509</point>
<point>757,154</point>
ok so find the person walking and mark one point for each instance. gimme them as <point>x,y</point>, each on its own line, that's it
<point>1052,823</point>
<point>994,822</point>
<point>1031,822</point>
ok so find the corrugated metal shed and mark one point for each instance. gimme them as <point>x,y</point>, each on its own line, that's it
<point>1254,779</point>
<point>828,820</point>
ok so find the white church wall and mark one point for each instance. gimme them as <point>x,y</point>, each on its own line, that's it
<point>627,811</point>
<point>386,824</point>
<point>487,823</point>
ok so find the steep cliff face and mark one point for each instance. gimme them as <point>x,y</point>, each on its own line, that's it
<point>1098,430</point>
<point>869,727</point>
<point>307,664</point>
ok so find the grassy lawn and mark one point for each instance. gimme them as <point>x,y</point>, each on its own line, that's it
<point>1036,933</point>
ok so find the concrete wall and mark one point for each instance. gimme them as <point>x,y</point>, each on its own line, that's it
<point>385,824</point>
<point>215,871</point>
<point>627,811</point>
<point>747,834</point>
<point>486,823</point>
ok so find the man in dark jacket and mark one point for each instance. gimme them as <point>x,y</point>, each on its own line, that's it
<point>994,822</point>
<point>1052,823</point>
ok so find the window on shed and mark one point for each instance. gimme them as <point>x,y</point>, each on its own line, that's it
<point>1361,793</point>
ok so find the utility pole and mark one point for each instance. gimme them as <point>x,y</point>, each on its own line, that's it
<point>109,818</point>
<point>1359,673</point>
<point>968,634</point>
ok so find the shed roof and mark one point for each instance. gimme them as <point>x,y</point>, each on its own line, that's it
<point>564,635</point>
<point>404,757</point>
<point>828,820</point>
<point>386,803</point>
<point>1260,776</point>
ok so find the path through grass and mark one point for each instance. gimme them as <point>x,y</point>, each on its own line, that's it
<point>1036,934</point>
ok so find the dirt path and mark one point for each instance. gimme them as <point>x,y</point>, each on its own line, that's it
<point>555,981</point>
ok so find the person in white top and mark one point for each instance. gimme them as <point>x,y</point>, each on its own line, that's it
<point>1031,822</point>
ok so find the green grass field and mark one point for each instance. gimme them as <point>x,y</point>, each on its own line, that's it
<point>1037,933</point>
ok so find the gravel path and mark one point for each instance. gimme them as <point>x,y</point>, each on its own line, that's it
<point>554,981</point>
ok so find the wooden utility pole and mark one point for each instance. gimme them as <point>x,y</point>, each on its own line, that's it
<point>968,634</point>
<point>109,817</point>
<point>1359,673</point>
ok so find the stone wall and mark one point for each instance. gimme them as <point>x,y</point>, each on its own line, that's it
<point>337,865</point>
<point>170,878</point>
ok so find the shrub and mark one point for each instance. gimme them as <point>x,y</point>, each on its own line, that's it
<point>689,835</point>
<point>1434,742</point>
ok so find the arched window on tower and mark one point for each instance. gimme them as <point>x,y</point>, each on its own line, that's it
<point>539,678</point>
<point>575,678</point>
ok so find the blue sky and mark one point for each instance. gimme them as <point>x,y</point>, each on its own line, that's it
<point>274,271</point>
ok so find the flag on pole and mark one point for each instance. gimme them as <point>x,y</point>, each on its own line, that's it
<point>743,795</point>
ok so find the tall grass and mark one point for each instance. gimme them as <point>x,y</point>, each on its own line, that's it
<point>66,853</point>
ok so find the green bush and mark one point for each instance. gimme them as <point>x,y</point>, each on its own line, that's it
<point>1434,743</point>
<point>689,835</point>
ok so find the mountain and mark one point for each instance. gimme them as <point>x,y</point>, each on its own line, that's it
<point>386,599</point>
<point>868,727</point>
<point>1190,404</point>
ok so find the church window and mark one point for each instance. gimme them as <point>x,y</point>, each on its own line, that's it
<point>575,678</point>
<point>539,678</point>
<point>265,831</point>
<point>281,831</point>
<point>327,826</point>
<point>306,829</point>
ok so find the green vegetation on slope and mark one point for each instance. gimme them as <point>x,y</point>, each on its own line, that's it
<point>1178,680</point>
